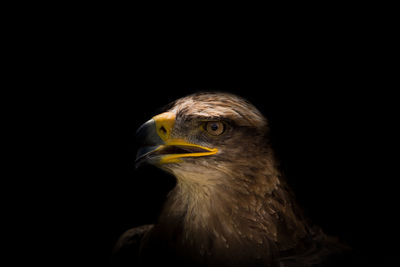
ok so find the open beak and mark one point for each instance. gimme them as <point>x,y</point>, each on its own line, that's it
<point>157,146</point>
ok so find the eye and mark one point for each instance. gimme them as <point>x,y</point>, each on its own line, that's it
<point>215,127</point>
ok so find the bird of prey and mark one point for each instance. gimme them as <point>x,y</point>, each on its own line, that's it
<point>230,206</point>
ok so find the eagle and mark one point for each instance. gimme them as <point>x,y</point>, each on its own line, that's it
<point>231,205</point>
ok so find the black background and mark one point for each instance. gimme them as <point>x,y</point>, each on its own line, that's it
<point>322,92</point>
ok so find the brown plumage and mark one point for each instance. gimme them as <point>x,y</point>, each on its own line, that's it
<point>229,208</point>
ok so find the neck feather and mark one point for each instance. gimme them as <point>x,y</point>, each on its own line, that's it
<point>233,209</point>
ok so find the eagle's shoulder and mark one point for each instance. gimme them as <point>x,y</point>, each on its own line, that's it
<point>126,249</point>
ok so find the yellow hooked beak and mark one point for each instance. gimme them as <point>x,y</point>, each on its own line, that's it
<point>159,146</point>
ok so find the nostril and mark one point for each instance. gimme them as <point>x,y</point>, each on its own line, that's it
<point>163,130</point>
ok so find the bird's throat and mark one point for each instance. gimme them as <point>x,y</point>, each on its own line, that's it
<point>217,215</point>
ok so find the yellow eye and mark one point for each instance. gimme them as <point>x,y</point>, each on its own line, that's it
<point>215,127</point>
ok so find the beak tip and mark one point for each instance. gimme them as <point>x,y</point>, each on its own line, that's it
<point>147,135</point>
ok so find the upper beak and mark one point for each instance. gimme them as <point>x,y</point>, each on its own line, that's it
<point>158,147</point>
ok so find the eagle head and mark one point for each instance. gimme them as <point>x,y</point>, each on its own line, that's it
<point>204,137</point>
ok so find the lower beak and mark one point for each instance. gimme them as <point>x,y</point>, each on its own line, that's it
<point>157,147</point>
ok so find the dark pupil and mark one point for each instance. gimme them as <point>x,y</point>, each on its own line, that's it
<point>214,127</point>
